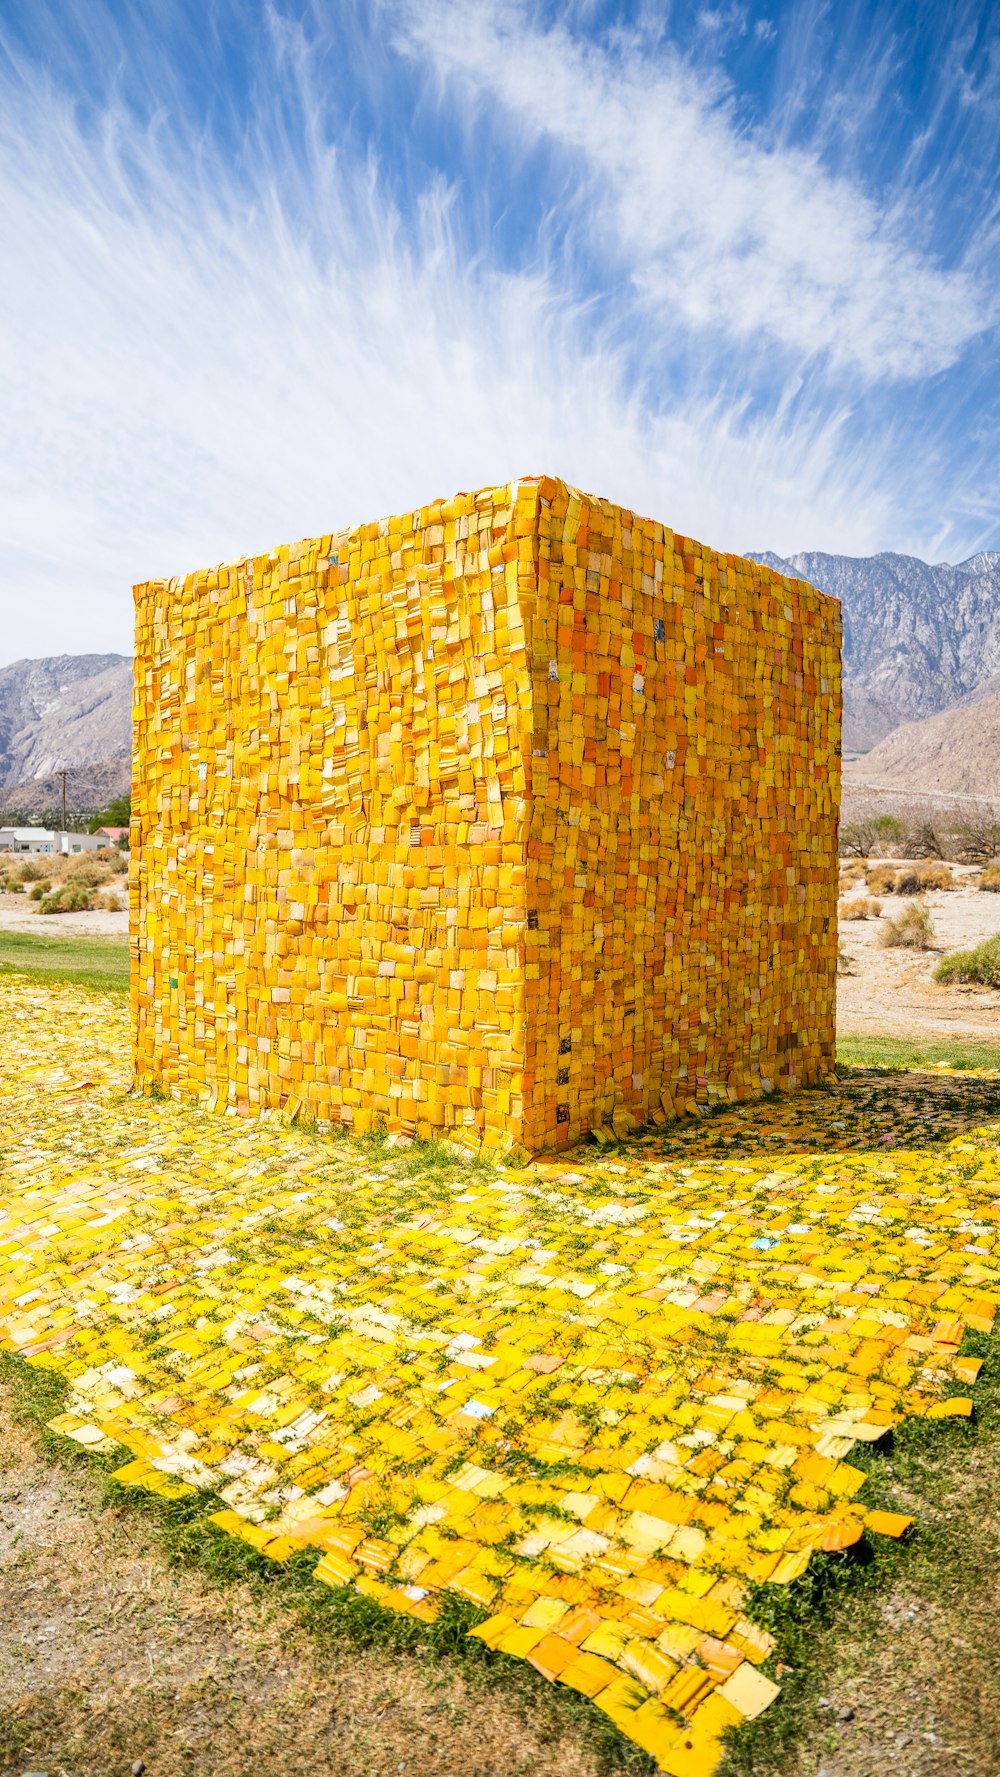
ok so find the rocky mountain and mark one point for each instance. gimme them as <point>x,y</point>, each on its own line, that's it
<point>917,638</point>
<point>955,752</point>
<point>68,712</point>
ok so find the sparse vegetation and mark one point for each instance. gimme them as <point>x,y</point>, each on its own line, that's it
<point>71,884</point>
<point>912,879</point>
<point>989,879</point>
<point>871,836</point>
<point>969,834</point>
<point>981,964</point>
<point>861,907</point>
<point>913,929</point>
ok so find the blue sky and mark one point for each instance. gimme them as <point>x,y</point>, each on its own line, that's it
<point>272,269</point>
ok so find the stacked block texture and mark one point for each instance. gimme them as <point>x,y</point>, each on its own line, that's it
<point>511,818</point>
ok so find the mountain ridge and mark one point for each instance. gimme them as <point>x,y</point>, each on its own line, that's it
<point>917,637</point>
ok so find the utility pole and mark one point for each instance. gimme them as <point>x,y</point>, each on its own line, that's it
<point>64,801</point>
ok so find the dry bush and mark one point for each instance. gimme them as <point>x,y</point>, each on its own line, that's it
<point>989,879</point>
<point>913,929</point>
<point>969,834</point>
<point>880,879</point>
<point>911,879</point>
<point>69,897</point>
<point>860,908</point>
<point>89,868</point>
<point>109,901</point>
<point>30,870</point>
<point>923,878</point>
<point>871,836</point>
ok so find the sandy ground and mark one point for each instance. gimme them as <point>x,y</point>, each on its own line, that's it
<point>19,914</point>
<point>109,1655</point>
<point>894,992</point>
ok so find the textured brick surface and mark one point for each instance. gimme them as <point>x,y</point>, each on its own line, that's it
<point>511,817</point>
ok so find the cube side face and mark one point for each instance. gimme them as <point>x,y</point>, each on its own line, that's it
<point>330,825</point>
<point>682,864</point>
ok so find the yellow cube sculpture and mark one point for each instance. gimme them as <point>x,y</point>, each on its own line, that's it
<point>508,819</point>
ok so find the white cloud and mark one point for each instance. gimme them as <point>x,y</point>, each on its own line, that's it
<point>205,354</point>
<point>717,228</point>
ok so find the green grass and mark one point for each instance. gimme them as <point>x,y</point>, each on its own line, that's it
<point>981,964</point>
<point>336,1615</point>
<point>823,1621</point>
<point>100,963</point>
<point>893,1053</point>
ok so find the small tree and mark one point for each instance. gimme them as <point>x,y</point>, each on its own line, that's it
<point>117,814</point>
<point>870,836</point>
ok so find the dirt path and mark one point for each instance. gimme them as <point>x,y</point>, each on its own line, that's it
<point>109,1655</point>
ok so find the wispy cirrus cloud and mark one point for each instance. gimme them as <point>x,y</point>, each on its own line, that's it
<point>269,278</point>
<point>717,228</point>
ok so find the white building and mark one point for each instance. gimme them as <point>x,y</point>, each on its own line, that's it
<point>74,842</point>
<point>30,839</point>
<point>39,839</point>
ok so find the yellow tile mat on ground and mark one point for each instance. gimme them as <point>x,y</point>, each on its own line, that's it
<point>599,1397</point>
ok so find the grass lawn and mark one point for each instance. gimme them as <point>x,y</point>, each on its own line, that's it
<point>917,1052</point>
<point>84,961</point>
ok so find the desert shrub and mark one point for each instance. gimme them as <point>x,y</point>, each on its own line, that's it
<point>911,879</point>
<point>925,876</point>
<point>989,879</point>
<point>913,929</point>
<point>871,836</point>
<point>109,901</point>
<point>844,962</point>
<point>116,861</point>
<point>860,908</point>
<point>981,964</point>
<point>976,838</point>
<point>69,897</point>
<point>14,886</point>
<point>30,870</point>
<point>39,888</point>
<point>88,869</point>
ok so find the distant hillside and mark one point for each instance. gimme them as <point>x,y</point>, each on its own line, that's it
<point>957,750</point>
<point>916,638</point>
<point>89,789</point>
<point>71,712</point>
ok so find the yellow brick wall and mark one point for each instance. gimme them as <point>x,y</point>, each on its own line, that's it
<point>502,817</point>
<point>683,849</point>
